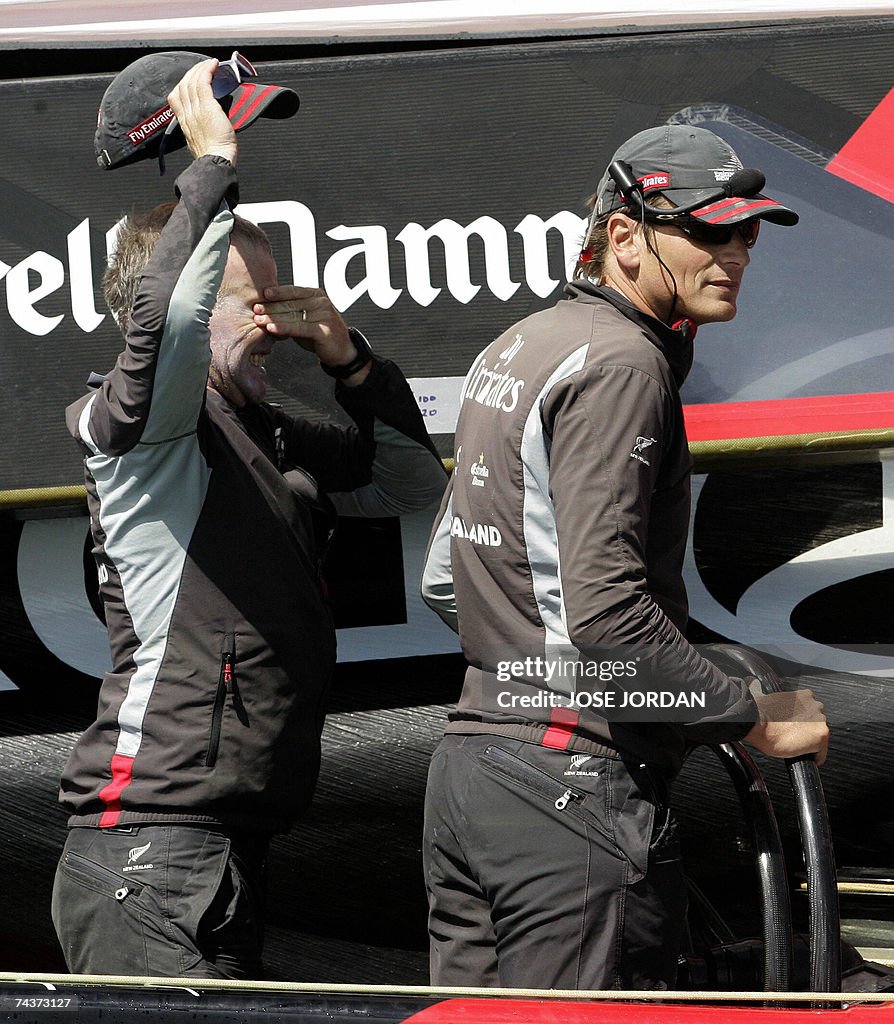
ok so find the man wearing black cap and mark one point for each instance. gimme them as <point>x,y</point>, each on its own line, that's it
<point>550,853</point>
<point>210,513</point>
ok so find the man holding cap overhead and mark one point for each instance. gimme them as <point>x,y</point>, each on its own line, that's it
<point>136,121</point>
<point>550,853</point>
<point>210,512</point>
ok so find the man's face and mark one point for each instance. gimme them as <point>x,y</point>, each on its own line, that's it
<point>238,346</point>
<point>708,276</point>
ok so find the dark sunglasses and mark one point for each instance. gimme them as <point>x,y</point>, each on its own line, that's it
<point>230,74</point>
<point>718,234</point>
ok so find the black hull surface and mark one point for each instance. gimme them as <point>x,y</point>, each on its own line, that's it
<point>485,149</point>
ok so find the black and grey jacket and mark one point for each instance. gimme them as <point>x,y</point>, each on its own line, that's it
<point>564,528</point>
<point>207,523</point>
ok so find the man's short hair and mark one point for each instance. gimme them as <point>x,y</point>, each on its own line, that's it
<point>137,235</point>
<point>595,248</point>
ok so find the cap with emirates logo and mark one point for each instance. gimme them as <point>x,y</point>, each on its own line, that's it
<point>689,166</point>
<point>134,115</point>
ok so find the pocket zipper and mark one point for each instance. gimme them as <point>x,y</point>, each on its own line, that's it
<point>529,773</point>
<point>228,673</point>
<point>102,874</point>
<point>226,687</point>
<point>562,802</point>
<point>216,720</point>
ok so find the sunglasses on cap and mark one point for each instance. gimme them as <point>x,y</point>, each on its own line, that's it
<point>230,73</point>
<point>718,234</point>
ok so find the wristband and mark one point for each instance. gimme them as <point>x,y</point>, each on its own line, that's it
<point>364,354</point>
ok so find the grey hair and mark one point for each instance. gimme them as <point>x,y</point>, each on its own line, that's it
<point>136,239</point>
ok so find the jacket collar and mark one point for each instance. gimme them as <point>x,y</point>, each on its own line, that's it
<point>675,344</point>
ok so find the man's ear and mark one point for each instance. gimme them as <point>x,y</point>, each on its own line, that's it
<point>625,239</point>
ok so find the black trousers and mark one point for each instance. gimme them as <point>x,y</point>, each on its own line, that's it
<point>547,869</point>
<point>161,900</point>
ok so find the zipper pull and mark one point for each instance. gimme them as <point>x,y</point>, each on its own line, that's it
<point>562,802</point>
<point>229,672</point>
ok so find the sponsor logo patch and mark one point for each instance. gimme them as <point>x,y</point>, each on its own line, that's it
<point>577,765</point>
<point>513,349</point>
<point>728,170</point>
<point>479,472</point>
<point>658,179</point>
<point>639,447</point>
<point>476,533</point>
<point>494,388</point>
<point>134,855</point>
<point>154,123</point>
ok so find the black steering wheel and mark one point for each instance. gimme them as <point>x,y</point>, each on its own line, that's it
<point>816,845</point>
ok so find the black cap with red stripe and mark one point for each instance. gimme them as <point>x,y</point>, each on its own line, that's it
<point>134,115</point>
<point>696,170</point>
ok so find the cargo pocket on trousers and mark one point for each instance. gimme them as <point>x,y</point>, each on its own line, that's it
<point>99,878</point>
<point>99,917</point>
<point>565,799</point>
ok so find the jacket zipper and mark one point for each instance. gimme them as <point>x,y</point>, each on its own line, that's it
<point>98,873</point>
<point>230,683</point>
<point>224,687</point>
<point>535,778</point>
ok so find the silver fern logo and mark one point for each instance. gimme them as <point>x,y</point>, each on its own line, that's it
<point>134,856</point>
<point>576,765</point>
<point>640,446</point>
<point>137,852</point>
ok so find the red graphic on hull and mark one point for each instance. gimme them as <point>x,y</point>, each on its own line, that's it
<point>865,159</point>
